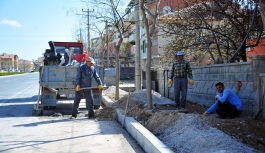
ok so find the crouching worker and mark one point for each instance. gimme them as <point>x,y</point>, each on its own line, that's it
<point>227,104</point>
<point>84,76</point>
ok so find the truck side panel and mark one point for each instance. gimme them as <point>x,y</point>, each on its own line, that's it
<point>63,79</point>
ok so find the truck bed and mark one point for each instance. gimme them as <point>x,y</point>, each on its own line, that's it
<point>64,76</point>
<point>60,80</point>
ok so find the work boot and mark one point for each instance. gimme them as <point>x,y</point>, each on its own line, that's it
<point>92,117</point>
<point>72,117</point>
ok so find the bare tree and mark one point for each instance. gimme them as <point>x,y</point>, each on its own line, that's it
<point>262,10</point>
<point>149,34</point>
<point>217,29</point>
<point>110,10</point>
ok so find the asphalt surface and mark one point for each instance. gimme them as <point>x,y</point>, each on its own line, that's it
<point>22,132</point>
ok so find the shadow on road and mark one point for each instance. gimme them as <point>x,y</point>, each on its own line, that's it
<point>16,110</point>
<point>51,122</point>
<point>20,144</point>
<point>19,100</point>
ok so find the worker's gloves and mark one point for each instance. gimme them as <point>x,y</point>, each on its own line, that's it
<point>100,87</point>
<point>191,82</point>
<point>77,88</point>
<point>204,114</point>
<point>169,82</point>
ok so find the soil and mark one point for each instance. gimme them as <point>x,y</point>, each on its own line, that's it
<point>180,131</point>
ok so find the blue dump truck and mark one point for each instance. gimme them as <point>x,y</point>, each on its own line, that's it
<point>57,75</point>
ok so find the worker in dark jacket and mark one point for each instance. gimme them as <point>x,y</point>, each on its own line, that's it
<point>84,76</point>
<point>227,103</point>
<point>180,71</point>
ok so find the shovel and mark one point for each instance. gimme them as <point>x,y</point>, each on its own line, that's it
<point>38,108</point>
<point>82,88</point>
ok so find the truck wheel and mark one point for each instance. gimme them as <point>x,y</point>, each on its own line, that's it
<point>96,106</point>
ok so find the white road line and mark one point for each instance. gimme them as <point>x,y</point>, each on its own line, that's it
<point>16,94</point>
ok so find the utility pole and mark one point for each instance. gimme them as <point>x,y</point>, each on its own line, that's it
<point>88,33</point>
<point>80,35</point>
<point>138,70</point>
<point>107,43</point>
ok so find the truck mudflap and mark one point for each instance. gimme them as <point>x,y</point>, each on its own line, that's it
<point>49,100</point>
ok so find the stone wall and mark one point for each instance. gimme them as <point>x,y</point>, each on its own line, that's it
<point>248,74</point>
<point>125,73</point>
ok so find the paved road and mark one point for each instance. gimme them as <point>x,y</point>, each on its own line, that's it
<point>21,132</point>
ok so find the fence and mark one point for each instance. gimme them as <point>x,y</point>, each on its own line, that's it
<point>246,79</point>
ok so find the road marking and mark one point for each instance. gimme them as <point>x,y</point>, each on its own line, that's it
<point>15,94</point>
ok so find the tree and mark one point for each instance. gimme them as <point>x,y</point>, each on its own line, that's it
<point>149,34</point>
<point>218,30</point>
<point>262,10</point>
<point>102,46</point>
<point>110,10</point>
<point>6,64</point>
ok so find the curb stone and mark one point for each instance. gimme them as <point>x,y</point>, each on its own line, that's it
<point>149,142</point>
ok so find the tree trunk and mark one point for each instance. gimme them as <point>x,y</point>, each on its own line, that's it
<point>148,61</point>
<point>148,75</point>
<point>262,11</point>
<point>243,53</point>
<point>117,75</point>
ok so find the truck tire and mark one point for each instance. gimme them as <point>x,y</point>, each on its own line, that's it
<point>96,106</point>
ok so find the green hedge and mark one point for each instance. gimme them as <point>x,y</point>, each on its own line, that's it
<point>10,73</point>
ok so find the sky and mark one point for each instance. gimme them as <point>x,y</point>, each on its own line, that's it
<point>26,26</point>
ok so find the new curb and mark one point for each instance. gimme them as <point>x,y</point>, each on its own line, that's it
<point>144,137</point>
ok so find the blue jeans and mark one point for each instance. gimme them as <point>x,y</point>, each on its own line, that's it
<point>226,109</point>
<point>89,102</point>
<point>180,85</point>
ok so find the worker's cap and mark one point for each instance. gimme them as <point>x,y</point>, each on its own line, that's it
<point>90,59</point>
<point>180,53</point>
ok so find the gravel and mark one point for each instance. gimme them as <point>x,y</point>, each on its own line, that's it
<point>190,133</point>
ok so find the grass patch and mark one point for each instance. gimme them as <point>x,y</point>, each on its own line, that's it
<point>10,73</point>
